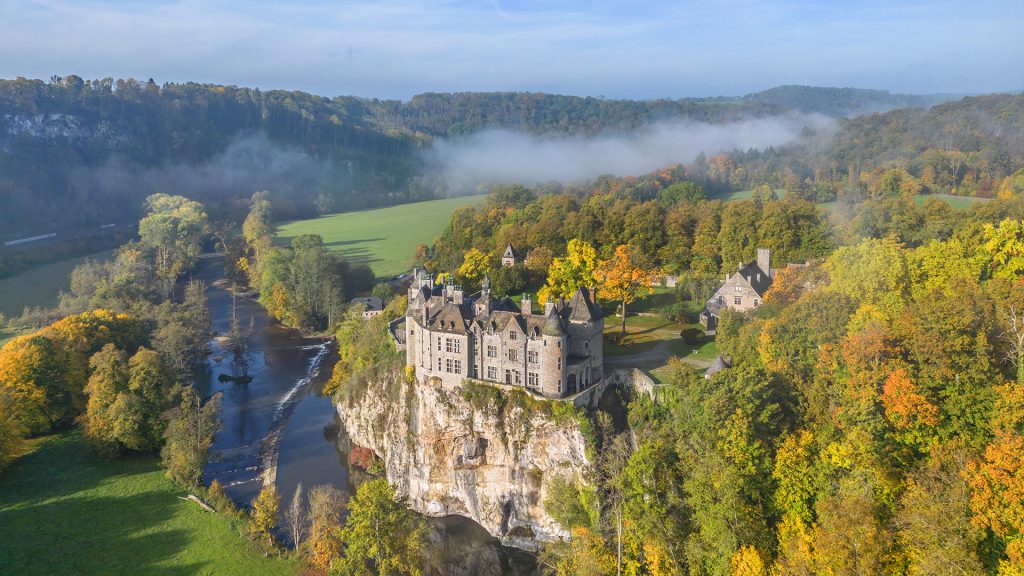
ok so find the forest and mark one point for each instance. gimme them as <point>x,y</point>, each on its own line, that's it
<point>871,419</point>
<point>77,152</point>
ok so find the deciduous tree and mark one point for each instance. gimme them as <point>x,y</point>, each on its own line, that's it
<point>571,272</point>
<point>381,535</point>
<point>622,277</point>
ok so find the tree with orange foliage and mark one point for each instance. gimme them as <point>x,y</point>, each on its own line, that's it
<point>997,481</point>
<point>905,408</point>
<point>623,278</point>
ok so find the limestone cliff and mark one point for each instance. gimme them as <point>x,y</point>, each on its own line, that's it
<point>471,450</point>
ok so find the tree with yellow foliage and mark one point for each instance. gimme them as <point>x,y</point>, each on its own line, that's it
<point>747,562</point>
<point>622,277</point>
<point>263,516</point>
<point>475,265</point>
<point>569,273</point>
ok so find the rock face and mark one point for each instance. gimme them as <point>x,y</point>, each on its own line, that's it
<point>480,456</point>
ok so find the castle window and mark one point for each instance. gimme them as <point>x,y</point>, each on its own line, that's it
<point>756,303</point>
<point>508,376</point>
<point>492,351</point>
<point>438,343</point>
<point>559,385</point>
<point>438,364</point>
<point>456,345</point>
<point>513,355</point>
<point>492,373</point>
<point>737,300</point>
<point>448,344</point>
<point>559,362</point>
<point>739,288</point>
<point>448,365</point>
<point>532,357</point>
<point>511,334</point>
<point>519,377</point>
<point>458,366</point>
<point>532,380</point>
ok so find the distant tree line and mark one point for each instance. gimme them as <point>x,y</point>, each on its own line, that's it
<point>101,146</point>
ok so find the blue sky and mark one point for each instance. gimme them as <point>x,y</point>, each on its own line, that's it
<point>619,49</point>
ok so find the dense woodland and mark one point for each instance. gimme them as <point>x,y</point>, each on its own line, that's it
<point>871,421</point>
<point>77,152</point>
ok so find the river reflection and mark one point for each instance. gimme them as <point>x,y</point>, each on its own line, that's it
<point>281,411</point>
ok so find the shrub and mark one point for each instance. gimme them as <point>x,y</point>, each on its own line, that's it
<point>692,336</point>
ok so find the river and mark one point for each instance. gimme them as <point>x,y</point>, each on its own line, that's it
<point>280,416</point>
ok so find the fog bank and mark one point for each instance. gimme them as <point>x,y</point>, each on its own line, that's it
<point>512,157</point>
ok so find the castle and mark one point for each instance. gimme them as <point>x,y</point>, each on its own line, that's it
<point>454,337</point>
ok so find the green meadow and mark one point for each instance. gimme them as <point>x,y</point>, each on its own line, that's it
<point>66,511</point>
<point>384,238</point>
<point>40,285</point>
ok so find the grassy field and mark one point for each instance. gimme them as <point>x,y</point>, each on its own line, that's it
<point>41,285</point>
<point>958,202</point>
<point>384,238</point>
<point>64,511</point>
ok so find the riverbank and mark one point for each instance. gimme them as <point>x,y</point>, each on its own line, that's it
<point>280,429</point>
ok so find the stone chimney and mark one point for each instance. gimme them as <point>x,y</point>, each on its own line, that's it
<point>764,260</point>
<point>526,306</point>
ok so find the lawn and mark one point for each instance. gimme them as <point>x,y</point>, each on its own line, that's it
<point>40,286</point>
<point>64,511</point>
<point>384,238</point>
<point>958,202</point>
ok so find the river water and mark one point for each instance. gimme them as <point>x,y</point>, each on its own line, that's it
<point>280,416</point>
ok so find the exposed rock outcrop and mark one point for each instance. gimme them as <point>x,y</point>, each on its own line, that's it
<point>471,450</point>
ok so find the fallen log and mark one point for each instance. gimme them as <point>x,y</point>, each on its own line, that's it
<point>201,504</point>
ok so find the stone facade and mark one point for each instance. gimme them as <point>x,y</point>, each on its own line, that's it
<point>452,337</point>
<point>508,257</point>
<point>741,291</point>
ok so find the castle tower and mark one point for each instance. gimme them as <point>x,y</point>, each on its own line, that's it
<point>482,306</point>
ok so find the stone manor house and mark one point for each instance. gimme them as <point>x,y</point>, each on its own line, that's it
<point>453,337</point>
<point>742,291</point>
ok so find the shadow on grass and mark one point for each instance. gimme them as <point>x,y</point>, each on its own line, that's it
<point>64,511</point>
<point>67,537</point>
<point>351,242</point>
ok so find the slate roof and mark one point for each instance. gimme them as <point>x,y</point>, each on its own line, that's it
<point>372,303</point>
<point>759,280</point>
<point>581,309</point>
<point>717,366</point>
<point>459,318</point>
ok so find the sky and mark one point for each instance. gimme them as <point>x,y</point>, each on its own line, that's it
<point>610,48</point>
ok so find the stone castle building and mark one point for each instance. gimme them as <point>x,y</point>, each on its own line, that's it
<point>741,291</point>
<point>454,337</point>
